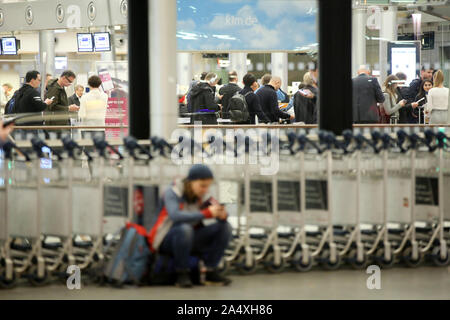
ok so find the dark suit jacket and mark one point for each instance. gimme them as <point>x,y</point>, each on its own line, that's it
<point>366,94</point>
<point>74,100</point>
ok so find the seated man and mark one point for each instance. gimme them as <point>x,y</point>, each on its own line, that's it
<point>179,230</point>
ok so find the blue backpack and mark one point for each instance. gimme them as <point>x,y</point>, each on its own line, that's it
<point>9,108</point>
<point>128,263</point>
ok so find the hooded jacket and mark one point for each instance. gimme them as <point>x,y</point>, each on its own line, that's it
<point>174,209</point>
<point>202,97</point>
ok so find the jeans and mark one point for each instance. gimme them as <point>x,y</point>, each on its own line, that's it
<point>208,242</point>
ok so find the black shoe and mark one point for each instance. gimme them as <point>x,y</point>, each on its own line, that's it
<point>183,280</point>
<point>214,278</point>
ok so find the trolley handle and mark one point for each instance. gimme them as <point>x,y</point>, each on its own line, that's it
<point>401,138</point>
<point>387,141</point>
<point>132,145</point>
<point>161,145</point>
<point>415,141</point>
<point>442,140</point>
<point>38,144</point>
<point>9,146</point>
<point>70,145</point>
<point>101,145</point>
<point>303,141</point>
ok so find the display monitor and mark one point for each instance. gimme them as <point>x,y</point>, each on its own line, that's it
<point>85,42</point>
<point>9,46</point>
<point>60,63</point>
<point>404,56</point>
<point>102,41</point>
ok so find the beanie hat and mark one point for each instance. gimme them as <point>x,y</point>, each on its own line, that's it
<point>199,172</point>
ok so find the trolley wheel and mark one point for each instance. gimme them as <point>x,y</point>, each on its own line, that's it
<point>224,267</point>
<point>7,284</point>
<point>379,258</point>
<point>35,280</point>
<point>353,261</point>
<point>297,263</point>
<point>242,268</point>
<point>270,263</point>
<point>326,263</point>
<point>436,257</point>
<point>407,257</point>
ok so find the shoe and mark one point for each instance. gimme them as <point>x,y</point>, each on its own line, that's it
<point>183,280</point>
<point>214,278</point>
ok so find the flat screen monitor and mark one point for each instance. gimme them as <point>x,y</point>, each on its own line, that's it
<point>9,46</point>
<point>60,63</point>
<point>85,42</point>
<point>404,57</point>
<point>102,41</point>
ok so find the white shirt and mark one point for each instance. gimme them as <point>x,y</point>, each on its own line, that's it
<point>437,99</point>
<point>93,108</point>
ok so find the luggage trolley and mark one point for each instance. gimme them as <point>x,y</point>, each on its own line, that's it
<point>90,175</point>
<point>290,207</point>
<point>56,214</point>
<point>429,198</point>
<point>14,260</point>
<point>318,202</point>
<point>23,211</point>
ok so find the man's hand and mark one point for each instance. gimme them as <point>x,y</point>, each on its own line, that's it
<point>292,117</point>
<point>48,101</point>
<point>5,131</point>
<point>414,105</point>
<point>403,102</point>
<point>74,108</point>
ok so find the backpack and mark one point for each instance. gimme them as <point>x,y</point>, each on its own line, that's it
<point>10,107</point>
<point>238,109</point>
<point>128,263</point>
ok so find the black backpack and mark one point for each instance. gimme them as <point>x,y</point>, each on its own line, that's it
<point>238,109</point>
<point>10,107</point>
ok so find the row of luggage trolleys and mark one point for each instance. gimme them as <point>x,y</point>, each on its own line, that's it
<point>355,199</point>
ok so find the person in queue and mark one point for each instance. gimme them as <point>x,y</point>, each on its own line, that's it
<point>179,230</point>
<point>27,97</point>
<point>56,91</point>
<point>305,101</point>
<point>269,101</point>
<point>76,97</point>
<point>227,91</point>
<point>265,79</point>
<point>392,100</point>
<point>437,105</point>
<point>254,107</point>
<point>421,102</point>
<point>426,73</point>
<point>202,95</point>
<point>366,94</point>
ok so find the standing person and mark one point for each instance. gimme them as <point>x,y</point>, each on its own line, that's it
<point>265,79</point>
<point>392,102</point>
<point>56,90</point>
<point>202,94</point>
<point>93,106</point>
<point>227,91</point>
<point>366,94</point>
<point>305,101</point>
<point>437,106</point>
<point>75,98</point>
<point>421,102</point>
<point>191,85</point>
<point>179,230</point>
<point>416,84</point>
<point>254,107</point>
<point>269,101</point>
<point>27,98</point>
<point>6,95</point>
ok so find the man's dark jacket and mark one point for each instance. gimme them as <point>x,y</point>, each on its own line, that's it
<point>366,94</point>
<point>202,97</point>
<point>269,103</point>
<point>254,107</point>
<point>73,99</point>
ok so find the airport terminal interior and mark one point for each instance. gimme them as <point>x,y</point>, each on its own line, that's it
<point>225,149</point>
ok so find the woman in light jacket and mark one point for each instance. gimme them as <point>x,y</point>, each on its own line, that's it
<point>391,103</point>
<point>437,105</point>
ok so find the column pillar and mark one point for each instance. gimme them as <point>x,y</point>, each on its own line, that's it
<point>359,19</point>
<point>388,32</point>
<point>184,68</point>
<point>46,54</point>
<point>238,63</point>
<point>280,68</point>
<point>163,70</point>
